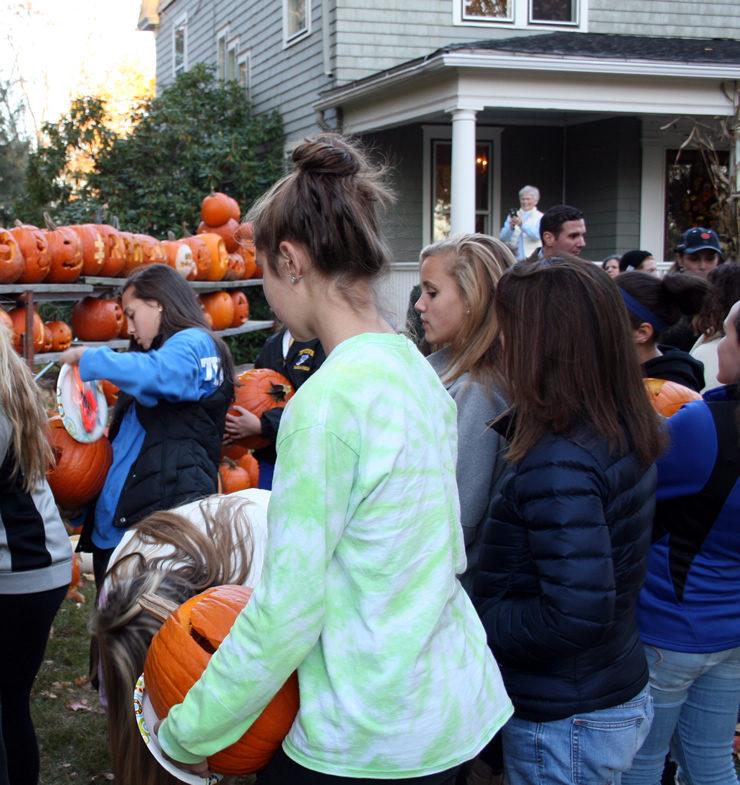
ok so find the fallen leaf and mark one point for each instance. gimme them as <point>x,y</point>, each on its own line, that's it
<point>82,680</point>
<point>78,705</point>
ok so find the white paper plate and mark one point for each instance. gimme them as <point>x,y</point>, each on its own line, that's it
<point>145,719</point>
<point>68,402</point>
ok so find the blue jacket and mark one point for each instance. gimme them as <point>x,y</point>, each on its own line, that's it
<point>691,599</point>
<point>562,563</point>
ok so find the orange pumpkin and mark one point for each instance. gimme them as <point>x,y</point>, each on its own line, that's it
<point>234,451</point>
<point>97,319</point>
<point>225,231</point>
<point>233,477</point>
<point>35,249</point>
<point>14,337</point>
<point>18,317</point>
<point>115,251</point>
<point>201,254</point>
<point>179,653</point>
<point>252,467</point>
<point>221,308</point>
<point>12,262</point>
<point>250,263</point>
<point>94,248</point>
<point>152,250</point>
<point>219,257</point>
<point>133,253</point>
<point>80,470</point>
<point>180,256</point>
<point>668,397</point>
<point>61,336</point>
<point>217,208</point>
<point>47,339</point>
<point>110,391</point>
<point>257,272</point>
<point>241,308</point>
<point>257,391</point>
<point>65,249</point>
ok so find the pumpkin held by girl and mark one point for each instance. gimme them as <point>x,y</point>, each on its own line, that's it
<point>189,636</point>
<point>257,391</point>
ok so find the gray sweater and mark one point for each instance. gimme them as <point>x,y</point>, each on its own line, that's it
<point>481,455</point>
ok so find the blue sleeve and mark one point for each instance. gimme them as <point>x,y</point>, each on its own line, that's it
<point>185,368</point>
<point>507,230</point>
<point>532,229</point>
<point>684,468</point>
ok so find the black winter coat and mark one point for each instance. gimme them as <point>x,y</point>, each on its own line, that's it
<point>563,559</point>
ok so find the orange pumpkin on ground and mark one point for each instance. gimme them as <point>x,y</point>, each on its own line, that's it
<point>180,652</point>
<point>257,391</point>
<point>12,262</point>
<point>233,477</point>
<point>18,317</point>
<point>668,397</point>
<point>250,463</point>
<point>35,249</point>
<point>221,308</point>
<point>241,308</point>
<point>217,208</point>
<point>80,470</point>
<point>65,249</point>
<point>94,248</point>
<point>97,319</point>
<point>61,336</point>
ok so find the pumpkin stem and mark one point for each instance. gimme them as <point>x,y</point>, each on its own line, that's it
<point>171,236</point>
<point>50,225</point>
<point>185,231</point>
<point>158,606</point>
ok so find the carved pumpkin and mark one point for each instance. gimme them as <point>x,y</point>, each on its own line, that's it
<point>218,208</point>
<point>96,319</point>
<point>257,272</point>
<point>80,470</point>
<point>12,262</point>
<point>47,339</point>
<point>65,249</point>
<point>237,267</point>
<point>116,252</point>
<point>110,391</point>
<point>94,248</point>
<point>15,339</point>
<point>133,254</point>
<point>233,477</point>
<point>257,391</point>
<point>241,308</point>
<point>151,249</point>
<point>225,231</point>
<point>221,308</point>
<point>18,316</point>
<point>180,256</point>
<point>180,652</point>
<point>201,254</point>
<point>61,336</point>
<point>35,249</point>
<point>219,257</point>
<point>250,264</point>
<point>668,397</point>
<point>252,467</point>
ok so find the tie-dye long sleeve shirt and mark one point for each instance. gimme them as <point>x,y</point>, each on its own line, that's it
<point>358,589</point>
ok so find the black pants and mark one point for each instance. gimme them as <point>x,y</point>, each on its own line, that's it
<point>285,771</point>
<point>25,620</point>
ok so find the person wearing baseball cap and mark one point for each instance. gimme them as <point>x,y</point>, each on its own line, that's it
<point>698,252</point>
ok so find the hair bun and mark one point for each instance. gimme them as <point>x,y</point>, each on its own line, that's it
<point>326,154</point>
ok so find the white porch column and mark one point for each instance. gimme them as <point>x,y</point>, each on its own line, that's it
<point>462,187</point>
<point>652,196</point>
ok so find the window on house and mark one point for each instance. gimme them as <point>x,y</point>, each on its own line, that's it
<point>553,11</point>
<point>441,188</point>
<point>226,59</point>
<point>487,9</point>
<point>180,47</point>
<point>520,13</point>
<point>296,19</point>
<point>244,73</point>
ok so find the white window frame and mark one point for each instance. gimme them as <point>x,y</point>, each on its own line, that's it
<point>245,60</point>
<point>521,17</point>
<point>289,40</point>
<point>180,25</point>
<point>440,133</point>
<point>231,56</point>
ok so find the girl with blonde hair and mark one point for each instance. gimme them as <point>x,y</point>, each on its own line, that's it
<point>35,557</point>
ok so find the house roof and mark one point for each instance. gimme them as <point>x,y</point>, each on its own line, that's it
<point>603,45</point>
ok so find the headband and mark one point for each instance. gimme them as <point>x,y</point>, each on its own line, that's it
<point>641,312</point>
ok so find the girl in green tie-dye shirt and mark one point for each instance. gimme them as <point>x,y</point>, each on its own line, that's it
<point>358,591</point>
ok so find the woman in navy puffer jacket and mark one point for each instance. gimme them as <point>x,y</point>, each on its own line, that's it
<point>565,549</point>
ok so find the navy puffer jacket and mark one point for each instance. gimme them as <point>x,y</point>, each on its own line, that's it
<point>563,559</point>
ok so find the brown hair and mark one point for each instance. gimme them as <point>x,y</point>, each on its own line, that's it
<point>724,292</point>
<point>180,309</point>
<point>195,560</point>
<point>669,298</point>
<point>331,203</point>
<point>23,405</point>
<point>476,262</point>
<point>569,359</point>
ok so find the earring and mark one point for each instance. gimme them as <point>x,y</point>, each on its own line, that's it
<point>295,279</point>
<point>160,309</point>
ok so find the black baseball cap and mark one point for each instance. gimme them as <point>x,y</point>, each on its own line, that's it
<point>697,239</point>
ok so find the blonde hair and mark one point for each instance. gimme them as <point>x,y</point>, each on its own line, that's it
<point>477,263</point>
<point>23,405</point>
<point>194,560</point>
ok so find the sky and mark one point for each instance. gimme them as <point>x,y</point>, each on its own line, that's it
<point>62,47</point>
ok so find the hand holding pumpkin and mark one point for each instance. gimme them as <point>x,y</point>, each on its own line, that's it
<point>72,356</point>
<point>200,769</point>
<point>242,424</point>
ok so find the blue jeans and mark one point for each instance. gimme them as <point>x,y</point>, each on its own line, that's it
<point>696,699</point>
<point>585,749</point>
